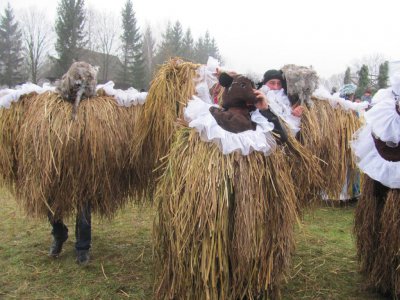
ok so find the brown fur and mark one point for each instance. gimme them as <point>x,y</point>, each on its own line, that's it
<point>238,100</point>
<point>79,82</point>
<point>387,152</point>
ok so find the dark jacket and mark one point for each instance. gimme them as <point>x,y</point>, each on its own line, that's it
<point>278,128</point>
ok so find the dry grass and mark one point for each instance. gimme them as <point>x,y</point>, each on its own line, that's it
<point>58,164</point>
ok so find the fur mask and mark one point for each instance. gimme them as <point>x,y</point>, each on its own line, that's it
<point>78,83</point>
<point>301,83</point>
<point>238,99</point>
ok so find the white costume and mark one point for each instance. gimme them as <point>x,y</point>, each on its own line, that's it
<point>280,105</point>
<point>383,123</point>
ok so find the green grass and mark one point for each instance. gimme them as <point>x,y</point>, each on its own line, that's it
<point>121,267</point>
<point>325,264</point>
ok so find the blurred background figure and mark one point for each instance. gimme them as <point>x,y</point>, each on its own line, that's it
<point>367,95</point>
<point>348,91</point>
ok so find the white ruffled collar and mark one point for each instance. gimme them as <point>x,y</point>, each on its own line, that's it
<point>198,115</point>
<point>371,163</point>
<point>384,120</point>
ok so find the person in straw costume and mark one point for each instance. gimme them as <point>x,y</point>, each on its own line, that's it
<point>175,161</point>
<point>226,203</point>
<point>288,92</point>
<point>377,216</point>
<point>58,164</point>
<point>274,86</point>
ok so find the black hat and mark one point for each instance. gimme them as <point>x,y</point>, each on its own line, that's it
<point>273,74</point>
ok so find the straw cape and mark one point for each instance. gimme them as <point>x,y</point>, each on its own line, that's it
<point>171,88</point>
<point>326,132</point>
<point>225,222</point>
<point>377,230</point>
<point>55,164</point>
<point>225,219</point>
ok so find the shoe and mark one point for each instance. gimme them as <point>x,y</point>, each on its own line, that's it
<point>82,257</point>
<point>56,247</point>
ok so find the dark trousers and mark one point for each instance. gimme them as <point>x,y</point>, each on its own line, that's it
<point>83,232</point>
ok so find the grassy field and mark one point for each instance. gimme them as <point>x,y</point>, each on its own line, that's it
<point>121,267</point>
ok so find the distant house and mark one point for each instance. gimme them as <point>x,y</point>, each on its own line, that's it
<point>109,66</point>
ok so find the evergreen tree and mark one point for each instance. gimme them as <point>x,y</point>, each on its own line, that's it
<point>139,73</point>
<point>11,58</point>
<point>165,50</point>
<point>188,46</point>
<point>200,51</point>
<point>177,38</point>
<point>206,47</point>
<point>148,55</point>
<point>171,43</point>
<point>363,80</point>
<point>347,76</point>
<point>70,32</point>
<point>383,75</point>
<point>132,72</point>
<point>213,50</point>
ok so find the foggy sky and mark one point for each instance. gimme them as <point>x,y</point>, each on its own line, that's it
<point>254,36</point>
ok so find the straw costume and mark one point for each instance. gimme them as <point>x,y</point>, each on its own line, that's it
<point>327,124</point>
<point>171,88</point>
<point>377,147</point>
<point>226,201</point>
<point>57,166</point>
<point>298,83</point>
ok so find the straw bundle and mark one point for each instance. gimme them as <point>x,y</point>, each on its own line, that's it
<point>367,224</point>
<point>10,124</point>
<point>320,134</point>
<point>170,90</point>
<point>350,123</point>
<point>64,163</point>
<point>326,132</point>
<point>307,174</point>
<point>225,225</point>
<point>377,230</point>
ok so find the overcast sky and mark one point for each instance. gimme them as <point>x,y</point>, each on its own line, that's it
<point>254,36</point>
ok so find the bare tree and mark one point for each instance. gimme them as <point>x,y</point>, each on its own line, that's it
<point>106,33</point>
<point>148,45</point>
<point>91,16</point>
<point>373,63</point>
<point>333,82</point>
<point>38,36</point>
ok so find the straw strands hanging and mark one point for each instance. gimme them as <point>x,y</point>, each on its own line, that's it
<point>170,90</point>
<point>326,132</point>
<point>63,163</point>
<point>377,230</point>
<point>225,225</point>
<point>10,124</point>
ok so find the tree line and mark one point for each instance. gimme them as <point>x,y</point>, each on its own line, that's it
<point>368,73</point>
<point>31,48</point>
<point>366,80</point>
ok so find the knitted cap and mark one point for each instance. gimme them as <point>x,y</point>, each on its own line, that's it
<point>273,74</point>
<point>347,89</point>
